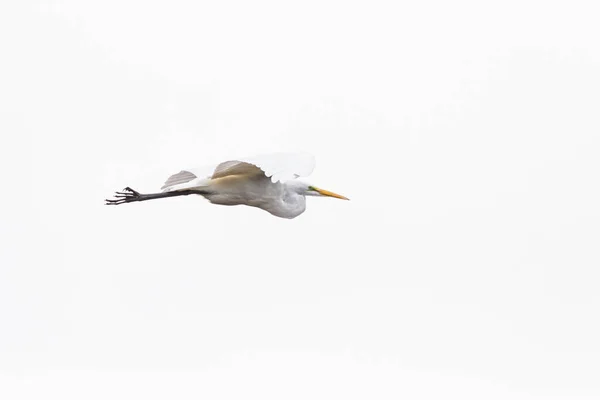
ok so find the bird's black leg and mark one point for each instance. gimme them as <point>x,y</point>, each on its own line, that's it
<point>128,195</point>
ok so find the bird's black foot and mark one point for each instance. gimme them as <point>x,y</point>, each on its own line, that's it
<point>126,196</point>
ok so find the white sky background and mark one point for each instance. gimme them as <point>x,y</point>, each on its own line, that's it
<point>466,133</point>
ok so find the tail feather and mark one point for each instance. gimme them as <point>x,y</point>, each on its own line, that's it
<point>178,179</point>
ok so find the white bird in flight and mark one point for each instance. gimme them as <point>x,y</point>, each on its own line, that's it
<point>266,181</point>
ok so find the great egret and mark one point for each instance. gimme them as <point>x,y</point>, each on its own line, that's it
<point>266,181</point>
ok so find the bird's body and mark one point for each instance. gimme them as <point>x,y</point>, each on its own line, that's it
<point>280,199</point>
<point>267,182</point>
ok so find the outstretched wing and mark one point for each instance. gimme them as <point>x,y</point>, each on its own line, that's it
<point>280,167</point>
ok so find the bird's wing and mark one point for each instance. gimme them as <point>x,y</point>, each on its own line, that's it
<point>235,167</point>
<point>280,167</point>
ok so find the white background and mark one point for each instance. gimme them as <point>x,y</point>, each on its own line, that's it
<point>466,133</point>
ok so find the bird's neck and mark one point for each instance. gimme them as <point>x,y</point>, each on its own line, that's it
<point>292,203</point>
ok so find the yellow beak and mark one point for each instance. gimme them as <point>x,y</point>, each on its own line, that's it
<point>330,194</point>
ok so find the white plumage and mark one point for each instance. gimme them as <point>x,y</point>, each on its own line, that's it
<point>280,167</point>
<point>266,181</point>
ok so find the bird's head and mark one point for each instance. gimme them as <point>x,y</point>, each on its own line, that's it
<point>310,190</point>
